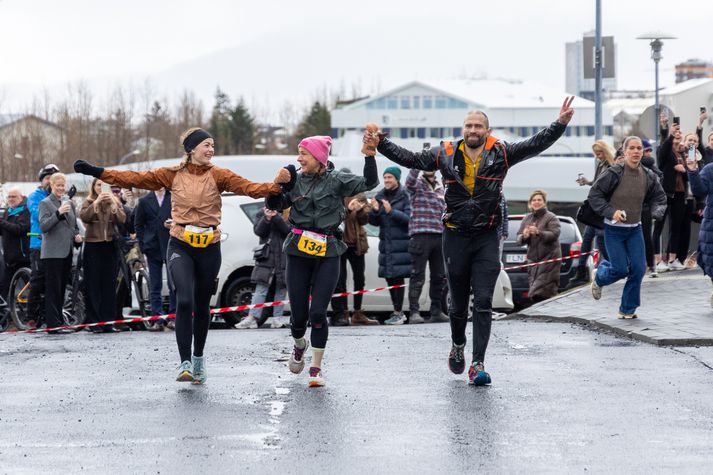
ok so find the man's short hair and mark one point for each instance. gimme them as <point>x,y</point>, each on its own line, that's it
<point>477,111</point>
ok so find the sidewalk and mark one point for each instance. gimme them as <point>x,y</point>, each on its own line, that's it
<point>675,309</point>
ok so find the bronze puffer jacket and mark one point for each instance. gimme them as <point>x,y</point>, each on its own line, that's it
<point>544,279</point>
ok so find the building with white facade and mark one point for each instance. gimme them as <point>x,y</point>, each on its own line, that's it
<point>428,111</point>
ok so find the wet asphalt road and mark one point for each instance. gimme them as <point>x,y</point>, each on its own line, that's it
<point>564,399</point>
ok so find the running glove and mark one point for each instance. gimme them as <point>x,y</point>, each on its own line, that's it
<point>293,178</point>
<point>86,168</point>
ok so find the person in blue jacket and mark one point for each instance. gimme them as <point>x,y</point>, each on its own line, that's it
<point>391,212</point>
<point>701,181</point>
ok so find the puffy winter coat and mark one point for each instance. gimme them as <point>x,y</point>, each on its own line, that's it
<point>394,258</point>
<point>702,185</point>
<point>14,226</point>
<point>275,231</point>
<point>544,279</point>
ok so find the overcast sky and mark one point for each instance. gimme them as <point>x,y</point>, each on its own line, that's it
<point>46,42</point>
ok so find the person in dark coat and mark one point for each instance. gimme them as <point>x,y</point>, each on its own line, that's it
<point>391,212</point>
<point>151,214</point>
<point>540,231</point>
<point>272,228</point>
<point>701,181</point>
<point>14,226</point>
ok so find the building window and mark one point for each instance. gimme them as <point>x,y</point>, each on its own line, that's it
<point>387,130</point>
<point>427,102</point>
<point>379,103</point>
<point>421,132</point>
<point>416,102</point>
<point>440,102</point>
<point>456,131</point>
<point>609,130</point>
<point>403,132</point>
<point>522,131</point>
<point>456,104</point>
<point>434,132</point>
<point>590,131</point>
<point>405,102</point>
<point>392,102</point>
<point>568,131</point>
<point>335,133</point>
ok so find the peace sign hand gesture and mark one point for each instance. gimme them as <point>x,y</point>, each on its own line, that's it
<point>566,112</point>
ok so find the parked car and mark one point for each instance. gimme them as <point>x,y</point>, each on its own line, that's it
<point>514,255</point>
<point>234,287</point>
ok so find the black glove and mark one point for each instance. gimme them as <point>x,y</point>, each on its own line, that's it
<point>293,178</point>
<point>86,168</point>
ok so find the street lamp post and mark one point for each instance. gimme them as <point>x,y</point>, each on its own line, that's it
<point>133,153</point>
<point>656,45</point>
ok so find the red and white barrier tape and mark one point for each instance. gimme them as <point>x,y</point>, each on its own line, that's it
<point>169,316</point>
<point>277,303</point>
<point>550,261</point>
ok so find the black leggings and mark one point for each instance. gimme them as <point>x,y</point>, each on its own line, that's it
<point>397,295</point>
<point>192,272</point>
<point>339,304</point>
<point>311,277</point>
<point>472,263</point>
<point>101,262</point>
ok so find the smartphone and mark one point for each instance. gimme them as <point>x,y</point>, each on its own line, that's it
<point>676,120</point>
<point>691,159</point>
<point>703,109</point>
<point>106,188</point>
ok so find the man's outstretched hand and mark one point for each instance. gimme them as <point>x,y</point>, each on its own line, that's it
<point>566,112</point>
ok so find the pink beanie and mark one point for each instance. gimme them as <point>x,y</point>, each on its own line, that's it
<point>318,146</point>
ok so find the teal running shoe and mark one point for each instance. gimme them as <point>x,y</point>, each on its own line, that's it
<point>477,376</point>
<point>200,375</point>
<point>185,372</point>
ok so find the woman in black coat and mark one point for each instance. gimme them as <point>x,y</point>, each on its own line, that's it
<point>272,228</point>
<point>391,212</point>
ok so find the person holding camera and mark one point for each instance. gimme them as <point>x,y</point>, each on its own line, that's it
<point>60,232</point>
<point>272,228</point>
<point>101,212</point>
<point>618,196</point>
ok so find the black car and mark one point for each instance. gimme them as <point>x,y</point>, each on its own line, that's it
<point>514,255</point>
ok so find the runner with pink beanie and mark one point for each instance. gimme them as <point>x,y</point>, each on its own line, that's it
<point>312,248</point>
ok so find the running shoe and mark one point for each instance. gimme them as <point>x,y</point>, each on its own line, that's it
<point>662,267</point>
<point>627,316</point>
<point>676,265</point>
<point>456,360</point>
<point>396,319</point>
<point>185,372</point>
<point>415,318</point>
<point>596,289</point>
<point>316,380</point>
<point>279,322</point>
<point>247,323</point>
<point>297,358</point>
<point>200,375</point>
<point>477,376</point>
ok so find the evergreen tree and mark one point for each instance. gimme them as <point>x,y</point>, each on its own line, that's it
<point>242,128</point>
<point>220,124</point>
<point>318,121</point>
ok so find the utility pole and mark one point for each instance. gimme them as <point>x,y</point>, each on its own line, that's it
<point>598,72</point>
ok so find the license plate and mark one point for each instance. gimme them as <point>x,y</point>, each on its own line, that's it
<point>515,258</point>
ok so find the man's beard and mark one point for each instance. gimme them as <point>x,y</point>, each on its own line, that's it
<point>474,141</point>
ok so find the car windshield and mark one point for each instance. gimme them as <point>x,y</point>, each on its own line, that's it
<point>568,233</point>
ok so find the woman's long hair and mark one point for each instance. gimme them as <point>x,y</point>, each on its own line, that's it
<point>93,194</point>
<point>606,149</point>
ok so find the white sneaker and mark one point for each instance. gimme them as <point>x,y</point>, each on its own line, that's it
<point>396,319</point>
<point>297,359</point>
<point>247,323</point>
<point>596,290</point>
<point>662,267</point>
<point>676,265</point>
<point>280,322</point>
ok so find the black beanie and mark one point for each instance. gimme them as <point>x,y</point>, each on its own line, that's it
<point>194,139</point>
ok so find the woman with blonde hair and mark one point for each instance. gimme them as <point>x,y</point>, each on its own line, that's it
<point>193,253</point>
<point>101,212</point>
<point>540,231</point>
<point>605,155</point>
